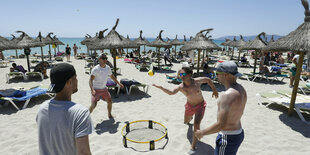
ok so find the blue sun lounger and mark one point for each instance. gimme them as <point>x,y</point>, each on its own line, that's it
<point>24,96</point>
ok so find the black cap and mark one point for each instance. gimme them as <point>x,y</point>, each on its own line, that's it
<point>59,75</point>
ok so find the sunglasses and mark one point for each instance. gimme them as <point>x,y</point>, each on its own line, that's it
<point>183,74</point>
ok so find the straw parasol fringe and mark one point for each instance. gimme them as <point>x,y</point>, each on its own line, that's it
<point>200,42</point>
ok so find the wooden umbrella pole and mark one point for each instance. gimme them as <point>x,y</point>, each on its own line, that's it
<point>175,52</point>
<point>255,61</point>
<point>49,51</point>
<point>114,61</point>
<point>158,56</point>
<point>55,51</point>
<point>239,55</point>
<point>198,63</point>
<point>296,83</point>
<point>16,54</point>
<point>42,54</point>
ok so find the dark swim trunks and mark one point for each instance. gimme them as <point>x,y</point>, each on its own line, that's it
<point>228,142</point>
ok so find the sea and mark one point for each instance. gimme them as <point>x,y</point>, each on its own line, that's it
<point>81,48</point>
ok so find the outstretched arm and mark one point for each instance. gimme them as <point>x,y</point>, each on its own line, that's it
<point>169,92</point>
<point>221,118</point>
<point>116,81</point>
<point>210,83</point>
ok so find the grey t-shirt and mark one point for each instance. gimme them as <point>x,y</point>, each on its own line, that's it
<point>59,123</point>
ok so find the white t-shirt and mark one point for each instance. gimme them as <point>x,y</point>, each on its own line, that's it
<point>296,57</point>
<point>101,76</point>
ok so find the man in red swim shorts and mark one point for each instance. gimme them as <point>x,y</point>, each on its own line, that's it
<point>190,87</point>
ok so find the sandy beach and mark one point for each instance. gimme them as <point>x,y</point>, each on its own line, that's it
<point>268,130</point>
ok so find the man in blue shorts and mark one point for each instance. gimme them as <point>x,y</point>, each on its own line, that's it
<point>230,109</point>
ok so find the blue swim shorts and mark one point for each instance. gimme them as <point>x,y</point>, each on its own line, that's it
<point>228,142</point>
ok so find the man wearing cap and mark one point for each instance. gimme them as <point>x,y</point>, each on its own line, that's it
<point>63,125</point>
<point>97,83</point>
<point>230,109</point>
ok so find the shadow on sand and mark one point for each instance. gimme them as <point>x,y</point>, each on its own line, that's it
<point>294,122</point>
<point>202,148</point>
<point>107,126</point>
<point>136,94</point>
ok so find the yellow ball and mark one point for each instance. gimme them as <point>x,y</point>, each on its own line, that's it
<point>151,73</point>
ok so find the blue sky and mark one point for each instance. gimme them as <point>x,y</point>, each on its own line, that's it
<point>75,18</point>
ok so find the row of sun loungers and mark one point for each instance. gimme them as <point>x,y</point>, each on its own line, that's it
<point>284,98</point>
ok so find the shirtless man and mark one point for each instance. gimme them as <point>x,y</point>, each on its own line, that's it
<point>230,109</point>
<point>195,102</point>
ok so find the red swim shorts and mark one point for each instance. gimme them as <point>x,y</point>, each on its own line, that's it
<point>196,109</point>
<point>103,93</point>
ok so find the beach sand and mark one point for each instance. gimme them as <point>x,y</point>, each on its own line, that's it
<point>268,130</point>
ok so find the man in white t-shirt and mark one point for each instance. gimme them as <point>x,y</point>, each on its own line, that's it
<point>97,83</point>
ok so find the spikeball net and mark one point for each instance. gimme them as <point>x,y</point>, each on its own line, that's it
<point>144,134</point>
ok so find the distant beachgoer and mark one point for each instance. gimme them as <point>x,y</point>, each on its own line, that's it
<point>68,52</point>
<point>280,59</point>
<point>41,67</point>
<point>75,48</point>
<point>244,59</point>
<point>230,109</point>
<point>293,70</point>
<point>63,125</point>
<point>167,56</point>
<point>195,103</point>
<point>18,68</point>
<point>97,83</point>
<point>1,55</point>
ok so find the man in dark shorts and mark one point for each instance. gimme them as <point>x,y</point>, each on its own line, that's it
<point>195,103</point>
<point>230,109</point>
<point>68,52</point>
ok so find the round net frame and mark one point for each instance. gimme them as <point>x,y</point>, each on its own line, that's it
<point>144,132</point>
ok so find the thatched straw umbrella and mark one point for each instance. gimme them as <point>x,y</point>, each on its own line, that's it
<point>257,44</point>
<point>14,42</point>
<point>5,44</point>
<point>141,41</point>
<point>176,42</point>
<point>112,41</point>
<point>26,43</point>
<point>41,40</point>
<point>49,41</point>
<point>159,43</point>
<point>240,43</point>
<point>57,42</point>
<point>297,41</point>
<point>226,43</point>
<point>233,44</point>
<point>200,42</point>
<point>93,41</point>
<point>86,41</point>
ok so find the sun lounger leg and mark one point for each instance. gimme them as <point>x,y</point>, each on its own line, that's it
<point>300,115</point>
<point>13,104</point>
<point>147,89</point>
<point>259,99</point>
<point>26,104</point>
